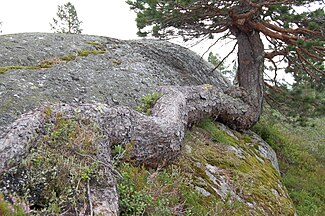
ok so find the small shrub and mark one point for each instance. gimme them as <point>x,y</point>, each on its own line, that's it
<point>147,102</point>
<point>132,191</point>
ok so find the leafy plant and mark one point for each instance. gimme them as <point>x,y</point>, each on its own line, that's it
<point>132,190</point>
<point>147,102</point>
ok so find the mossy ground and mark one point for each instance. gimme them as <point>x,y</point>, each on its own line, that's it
<point>301,153</point>
<point>60,167</point>
<point>13,208</point>
<point>191,187</point>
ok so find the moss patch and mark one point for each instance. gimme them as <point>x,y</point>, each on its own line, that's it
<point>85,53</point>
<point>209,178</point>
<point>99,49</point>
<point>303,172</point>
<point>16,67</point>
<point>60,166</point>
<point>13,207</point>
<point>216,133</point>
<point>97,45</point>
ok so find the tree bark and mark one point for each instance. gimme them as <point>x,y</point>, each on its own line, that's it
<point>250,68</point>
<point>155,140</point>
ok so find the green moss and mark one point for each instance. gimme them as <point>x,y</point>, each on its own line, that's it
<point>217,135</point>
<point>99,49</point>
<point>252,178</point>
<point>247,139</point>
<point>17,67</point>
<point>62,162</point>
<point>97,45</point>
<point>14,208</point>
<point>161,191</point>
<point>148,192</point>
<point>304,176</point>
<point>69,57</point>
<point>85,53</point>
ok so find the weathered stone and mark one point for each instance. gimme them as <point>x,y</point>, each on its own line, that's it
<point>125,72</point>
<point>101,82</point>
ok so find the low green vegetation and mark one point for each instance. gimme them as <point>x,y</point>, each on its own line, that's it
<point>216,134</point>
<point>97,45</point>
<point>189,186</point>
<point>85,53</point>
<point>56,175</point>
<point>13,208</point>
<point>15,67</point>
<point>99,49</point>
<point>147,102</point>
<point>167,192</point>
<point>300,151</point>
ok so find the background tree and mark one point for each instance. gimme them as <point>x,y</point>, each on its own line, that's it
<point>67,20</point>
<point>0,27</point>
<point>294,31</point>
<point>224,68</point>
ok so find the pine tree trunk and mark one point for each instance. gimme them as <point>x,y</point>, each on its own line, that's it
<point>250,73</point>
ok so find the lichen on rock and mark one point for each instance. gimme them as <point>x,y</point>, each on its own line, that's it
<point>58,157</point>
<point>209,178</point>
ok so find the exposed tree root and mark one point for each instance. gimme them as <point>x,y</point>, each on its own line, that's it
<point>154,140</point>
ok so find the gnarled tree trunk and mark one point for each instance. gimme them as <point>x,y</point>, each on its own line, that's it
<point>249,75</point>
<point>156,140</point>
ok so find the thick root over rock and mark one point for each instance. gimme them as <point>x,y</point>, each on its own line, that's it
<point>153,141</point>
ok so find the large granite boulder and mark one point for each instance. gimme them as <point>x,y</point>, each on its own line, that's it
<point>62,159</point>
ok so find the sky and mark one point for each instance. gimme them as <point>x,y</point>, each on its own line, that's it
<point>110,18</point>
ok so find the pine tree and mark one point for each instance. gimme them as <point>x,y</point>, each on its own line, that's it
<point>67,20</point>
<point>293,30</point>
<point>221,66</point>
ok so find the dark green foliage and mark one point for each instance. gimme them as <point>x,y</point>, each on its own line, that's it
<point>217,62</point>
<point>133,195</point>
<point>294,31</point>
<point>67,20</point>
<point>147,102</point>
<point>299,103</point>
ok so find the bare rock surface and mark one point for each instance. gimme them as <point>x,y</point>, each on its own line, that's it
<point>95,83</point>
<point>120,72</point>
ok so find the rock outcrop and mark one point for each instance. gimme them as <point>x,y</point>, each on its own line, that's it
<point>73,68</point>
<point>96,82</point>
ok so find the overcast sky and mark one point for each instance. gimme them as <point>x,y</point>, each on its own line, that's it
<point>111,18</point>
<point>100,17</point>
